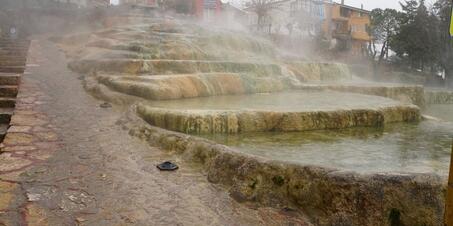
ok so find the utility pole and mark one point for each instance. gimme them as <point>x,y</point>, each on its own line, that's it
<point>451,20</point>
<point>449,200</point>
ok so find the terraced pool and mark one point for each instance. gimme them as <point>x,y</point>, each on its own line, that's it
<point>405,148</point>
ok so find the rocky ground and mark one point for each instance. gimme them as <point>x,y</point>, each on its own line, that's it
<point>66,162</point>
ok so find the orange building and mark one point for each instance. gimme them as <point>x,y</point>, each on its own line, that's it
<point>348,26</point>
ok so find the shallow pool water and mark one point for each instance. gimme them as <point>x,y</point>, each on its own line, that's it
<point>440,111</point>
<point>404,148</point>
<point>292,101</point>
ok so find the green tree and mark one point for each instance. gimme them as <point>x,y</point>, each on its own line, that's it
<point>416,38</point>
<point>442,8</point>
<point>384,27</point>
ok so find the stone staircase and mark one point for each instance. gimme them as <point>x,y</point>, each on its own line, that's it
<point>13,57</point>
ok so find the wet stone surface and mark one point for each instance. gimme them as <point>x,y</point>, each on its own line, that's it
<point>70,164</point>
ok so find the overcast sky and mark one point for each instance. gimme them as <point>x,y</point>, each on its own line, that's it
<point>367,4</point>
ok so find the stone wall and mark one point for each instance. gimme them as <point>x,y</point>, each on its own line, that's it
<point>328,196</point>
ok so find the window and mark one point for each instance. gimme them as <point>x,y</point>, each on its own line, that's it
<point>344,12</point>
<point>299,4</point>
<point>305,5</point>
<point>358,28</point>
<point>292,11</point>
<point>317,10</point>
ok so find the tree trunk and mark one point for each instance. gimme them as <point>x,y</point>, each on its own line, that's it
<point>387,52</point>
<point>449,77</point>
<point>383,52</point>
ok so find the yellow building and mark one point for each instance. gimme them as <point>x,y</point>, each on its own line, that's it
<point>348,27</point>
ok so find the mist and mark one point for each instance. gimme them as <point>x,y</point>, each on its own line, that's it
<point>177,112</point>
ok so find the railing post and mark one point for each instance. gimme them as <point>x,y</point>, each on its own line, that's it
<point>449,200</point>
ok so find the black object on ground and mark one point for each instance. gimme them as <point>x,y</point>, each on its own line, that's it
<point>167,166</point>
<point>105,105</point>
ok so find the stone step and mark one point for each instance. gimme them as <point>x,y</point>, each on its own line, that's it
<point>3,129</point>
<point>12,63</point>
<point>21,40</point>
<point>7,53</point>
<point>9,79</point>
<point>12,47</point>
<point>5,115</point>
<point>12,69</point>
<point>5,60</point>
<point>8,90</point>
<point>6,45</point>
<point>11,56</point>
<point>9,43</point>
<point>12,51</point>
<point>7,102</point>
<point>15,42</point>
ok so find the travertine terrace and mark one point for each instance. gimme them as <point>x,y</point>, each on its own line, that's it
<point>177,79</point>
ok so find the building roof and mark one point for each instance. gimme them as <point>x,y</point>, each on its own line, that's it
<point>352,8</point>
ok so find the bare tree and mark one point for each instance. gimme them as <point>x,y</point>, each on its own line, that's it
<point>262,9</point>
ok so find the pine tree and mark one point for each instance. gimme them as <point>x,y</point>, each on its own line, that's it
<point>445,54</point>
<point>384,25</point>
<point>417,36</point>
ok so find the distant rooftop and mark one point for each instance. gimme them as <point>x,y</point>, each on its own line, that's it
<point>352,7</point>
